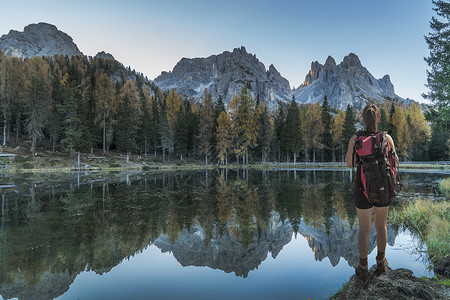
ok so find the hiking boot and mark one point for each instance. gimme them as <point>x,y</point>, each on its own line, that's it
<point>362,271</point>
<point>381,266</point>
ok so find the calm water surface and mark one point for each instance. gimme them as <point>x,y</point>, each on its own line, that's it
<point>190,235</point>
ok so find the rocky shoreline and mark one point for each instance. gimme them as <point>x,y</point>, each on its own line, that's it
<point>392,285</point>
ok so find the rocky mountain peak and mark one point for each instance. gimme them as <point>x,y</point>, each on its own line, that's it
<point>313,73</point>
<point>104,55</point>
<point>346,83</point>
<point>351,60</point>
<point>40,39</point>
<point>330,62</point>
<point>225,74</point>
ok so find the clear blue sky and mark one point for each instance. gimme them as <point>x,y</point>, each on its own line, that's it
<point>152,36</point>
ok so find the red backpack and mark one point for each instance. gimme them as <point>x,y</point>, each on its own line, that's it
<point>376,167</point>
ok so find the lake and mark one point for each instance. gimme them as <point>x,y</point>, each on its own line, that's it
<point>217,234</point>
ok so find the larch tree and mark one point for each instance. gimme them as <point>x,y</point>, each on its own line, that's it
<point>403,141</point>
<point>106,105</point>
<point>419,130</point>
<point>337,132</point>
<point>312,129</point>
<point>13,93</point>
<point>243,116</point>
<point>173,105</point>
<point>224,136</point>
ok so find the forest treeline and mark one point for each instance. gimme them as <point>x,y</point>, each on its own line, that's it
<point>84,104</point>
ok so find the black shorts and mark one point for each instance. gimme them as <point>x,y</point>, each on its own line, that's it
<point>359,198</point>
<point>361,201</point>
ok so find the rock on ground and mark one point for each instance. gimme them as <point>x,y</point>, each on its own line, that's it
<point>393,285</point>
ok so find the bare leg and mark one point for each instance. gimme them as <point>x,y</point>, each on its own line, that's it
<point>365,225</point>
<point>380,225</point>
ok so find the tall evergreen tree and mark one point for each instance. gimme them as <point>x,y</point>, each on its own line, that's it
<point>438,42</point>
<point>384,122</point>
<point>349,127</point>
<point>128,119</point>
<point>38,100</point>
<point>292,131</point>
<point>327,120</point>
<point>279,125</point>
<point>72,130</point>
<point>205,131</point>
<point>182,132</point>
<point>265,131</point>
<point>392,128</point>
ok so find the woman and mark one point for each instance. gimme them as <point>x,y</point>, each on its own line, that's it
<point>370,118</point>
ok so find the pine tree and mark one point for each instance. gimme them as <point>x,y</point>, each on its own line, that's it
<point>292,131</point>
<point>392,129</point>
<point>129,118</point>
<point>182,132</point>
<point>265,131</point>
<point>349,127</point>
<point>146,129</point>
<point>326,135</point>
<point>71,122</point>
<point>205,132</point>
<point>384,122</point>
<point>438,80</point>
<point>279,125</point>
<point>167,137</point>
<point>38,100</point>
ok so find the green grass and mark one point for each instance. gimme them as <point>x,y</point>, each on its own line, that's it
<point>437,279</point>
<point>445,186</point>
<point>430,220</point>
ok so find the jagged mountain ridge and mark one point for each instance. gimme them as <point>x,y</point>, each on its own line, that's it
<point>224,252</point>
<point>225,74</point>
<point>346,83</point>
<point>40,39</point>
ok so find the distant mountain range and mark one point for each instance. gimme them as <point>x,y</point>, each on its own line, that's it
<point>226,73</point>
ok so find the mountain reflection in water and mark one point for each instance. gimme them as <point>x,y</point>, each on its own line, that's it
<point>54,227</point>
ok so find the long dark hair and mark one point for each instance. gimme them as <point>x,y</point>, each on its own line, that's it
<point>370,116</point>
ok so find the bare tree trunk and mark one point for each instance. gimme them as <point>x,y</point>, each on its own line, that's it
<point>246,156</point>
<point>4,127</point>
<point>104,135</point>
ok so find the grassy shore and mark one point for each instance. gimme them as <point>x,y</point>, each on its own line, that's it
<point>430,220</point>
<point>60,162</point>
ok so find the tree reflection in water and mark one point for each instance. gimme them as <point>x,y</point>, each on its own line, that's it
<point>226,219</point>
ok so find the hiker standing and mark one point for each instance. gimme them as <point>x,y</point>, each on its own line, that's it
<point>373,154</point>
